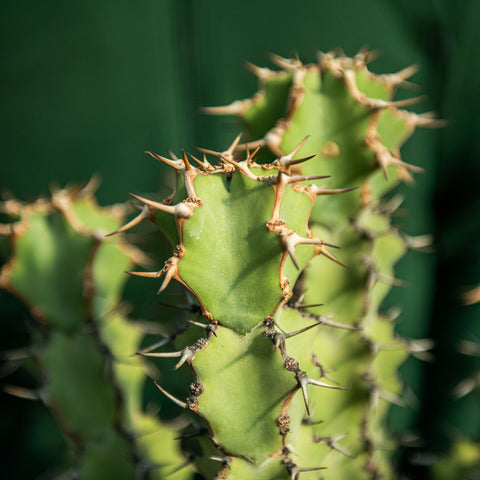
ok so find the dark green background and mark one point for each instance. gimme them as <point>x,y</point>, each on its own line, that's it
<point>88,86</point>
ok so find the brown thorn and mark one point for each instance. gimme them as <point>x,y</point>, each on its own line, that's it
<point>235,108</point>
<point>171,397</point>
<point>175,164</point>
<point>208,151</point>
<point>286,63</point>
<point>297,332</point>
<point>291,251</point>
<point>253,144</point>
<point>304,178</point>
<point>365,55</point>
<point>399,78</point>
<point>211,327</point>
<point>157,205</point>
<point>233,146</point>
<point>21,392</point>
<point>260,72</point>
<point>321,250</point>
<point>181,210</point>
<point>170,152</point>
<point>303,381</point>
<point>287,160</point>
<point>303,386</point>
<point>251,157</point>
<point>326,385</point>
<point>426,120</point>
<point>160,354</point>
<point>185,161</point>
<point>296,471</point>
<point>288,399</point>
<point>377,103</point>
<point>331,442</point>
<point>158,344</point>
<point>299,160</point>
<point>471,296</point>
<point>314,190</point>
<point>298,147</point>
<point>145,213</point>
<point>146,274</point>
<point>205,165</point>
<point>169,274</point>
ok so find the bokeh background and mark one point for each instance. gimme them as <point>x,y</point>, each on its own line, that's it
<point>87,86</point>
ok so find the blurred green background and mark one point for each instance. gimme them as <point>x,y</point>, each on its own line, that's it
<point>88,86</point>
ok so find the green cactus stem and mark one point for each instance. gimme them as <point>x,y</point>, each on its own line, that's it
<point>289,387</point>
<point>287,361</point>
<point>71,278</point>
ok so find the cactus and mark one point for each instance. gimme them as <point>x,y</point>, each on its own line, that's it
<point>71,279</point>
<point>255,249</point>
<point>289,364</point>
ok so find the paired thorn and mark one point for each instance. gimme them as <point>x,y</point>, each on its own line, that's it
<point>211,328</point>
<point>204,165</point>
<point>170,270</point>
<point>332,443</point>
<point>186,355</point>
<point>399,78</point>
<point>303,380</point>
<point>286,161</point>
<point>169,274</point>
<point>226,155</point>
<point>279,183</point>
<point>289,239</point>
<point>295,471</point>
<point>242,167</point>
<point>286,63</point>
<point>180,210</point>
<point>181,165</point>
<point>375,103</point>
<point>171,397</point>
<point>425,120</point>
<point>146,212</point>
<point>278,339</point>
<point>261,72</point>
<point>174,163</point>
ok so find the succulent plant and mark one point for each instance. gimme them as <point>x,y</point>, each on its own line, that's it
<point>289,363</point>
<point>71,278</point>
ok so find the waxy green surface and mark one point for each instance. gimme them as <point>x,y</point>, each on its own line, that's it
<point>72,280</point>
<point>245,379</point>
<point>231,259</point>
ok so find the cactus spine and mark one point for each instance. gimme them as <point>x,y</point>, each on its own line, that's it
<point>282,387</point>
